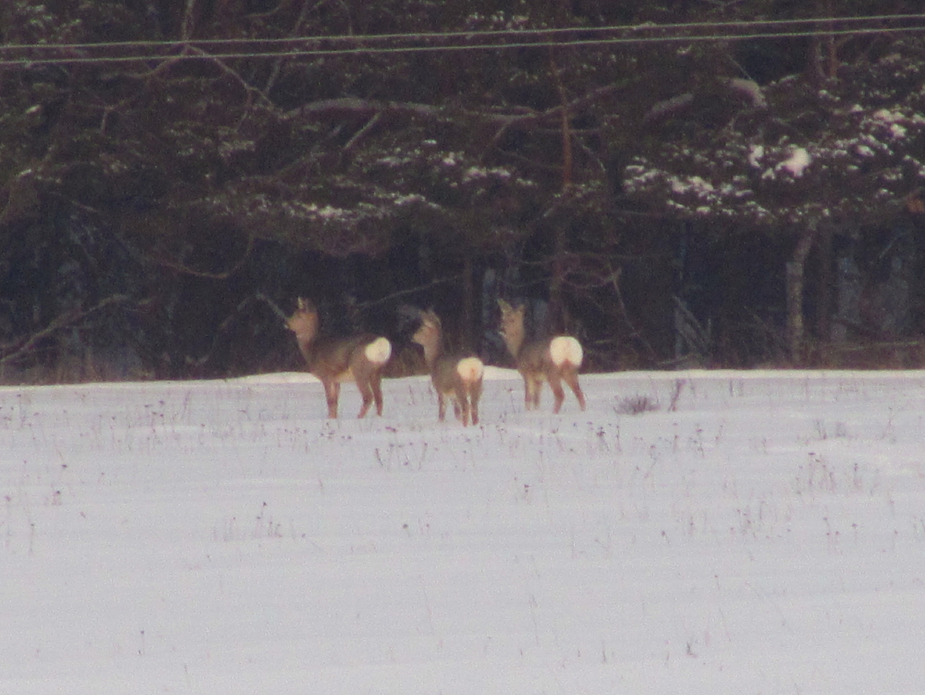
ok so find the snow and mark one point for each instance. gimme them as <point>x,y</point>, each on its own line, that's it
<point>789,147</point>
<point>749,89</point>
<point>327,212</point>
<point>476,173</point>
<point>888,116</point>
<point>766,534</point>
<point>409,199</point>
<point>893,120</point>
<point>691,183</point>
<point>796,163</point>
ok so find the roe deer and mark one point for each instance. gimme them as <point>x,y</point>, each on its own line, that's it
<point>454,377</point>
<point>554,359</point>
<point>357,358</point>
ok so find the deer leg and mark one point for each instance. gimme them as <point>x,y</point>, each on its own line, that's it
<point>332,393</point>
<point>441,406</point>
<point>377,391</point>
<point>555,383</point>
<point>366,392</point>
<point>571,378</point>
<point>461,405</point>
<point>537,390</point>
<point>474,396</point>
<point>528,392</point>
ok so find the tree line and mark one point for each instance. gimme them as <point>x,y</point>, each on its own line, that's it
<point>741,189</point>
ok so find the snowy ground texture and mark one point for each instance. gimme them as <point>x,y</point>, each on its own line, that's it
<point>765,536</point>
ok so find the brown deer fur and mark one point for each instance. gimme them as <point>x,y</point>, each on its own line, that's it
<point>453,377</point>
<point>552,359</point>
<point>358,358</point>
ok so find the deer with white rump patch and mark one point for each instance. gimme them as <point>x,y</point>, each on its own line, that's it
<point>553,359</point>
<point>358,358</point>
<point>453,377</point>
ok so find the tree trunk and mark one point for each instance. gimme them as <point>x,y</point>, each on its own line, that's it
<point>559,320</point>
<point>796,272</point>
<point>468,327</point>
<point>826,282</point>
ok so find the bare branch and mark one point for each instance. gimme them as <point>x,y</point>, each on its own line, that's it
<point>273,305</point>
<point>360,134</point>
<point>22,346</point>
<point>296,28</point>
<point>413,290</point>
<point>332,108</point>
<point>186,270</point>
<point>251,91</point>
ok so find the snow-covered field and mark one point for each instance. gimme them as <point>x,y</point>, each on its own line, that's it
<point>767,535</point>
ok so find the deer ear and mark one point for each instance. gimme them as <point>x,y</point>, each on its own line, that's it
<point>504,306</point>
<point>431,317</point>
<point>408,315</point>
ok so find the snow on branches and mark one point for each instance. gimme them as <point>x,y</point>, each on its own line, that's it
<point>854,150</point>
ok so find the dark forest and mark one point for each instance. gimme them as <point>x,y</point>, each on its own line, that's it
<point>715,184</point>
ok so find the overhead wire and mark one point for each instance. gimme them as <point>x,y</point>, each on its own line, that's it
<point>476,40</point>
<point>489,33</point>
<point>646,26</point>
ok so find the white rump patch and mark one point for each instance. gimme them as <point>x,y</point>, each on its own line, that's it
<point>470,369</point>
<point>379,351</point>
<point>566,349</point>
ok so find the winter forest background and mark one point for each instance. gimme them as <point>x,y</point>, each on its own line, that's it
<point>716,183</point>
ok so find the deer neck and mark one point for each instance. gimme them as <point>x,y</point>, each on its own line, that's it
<point>431,341</point>
<point>305,327</point>
<point>513,335</point>
<point>432,350</point>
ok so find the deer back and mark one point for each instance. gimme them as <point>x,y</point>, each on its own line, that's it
<point>537,356</point>
<point>448,372</point>
<point>332,357</point>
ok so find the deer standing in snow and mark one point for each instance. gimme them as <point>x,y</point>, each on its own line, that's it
<point>553,359</point>
<point>358,358</point>
<point>453,377</point>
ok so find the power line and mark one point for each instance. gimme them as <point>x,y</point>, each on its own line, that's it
<point>434,49</point>
<point>483,40</point>
<point>497,33</point>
